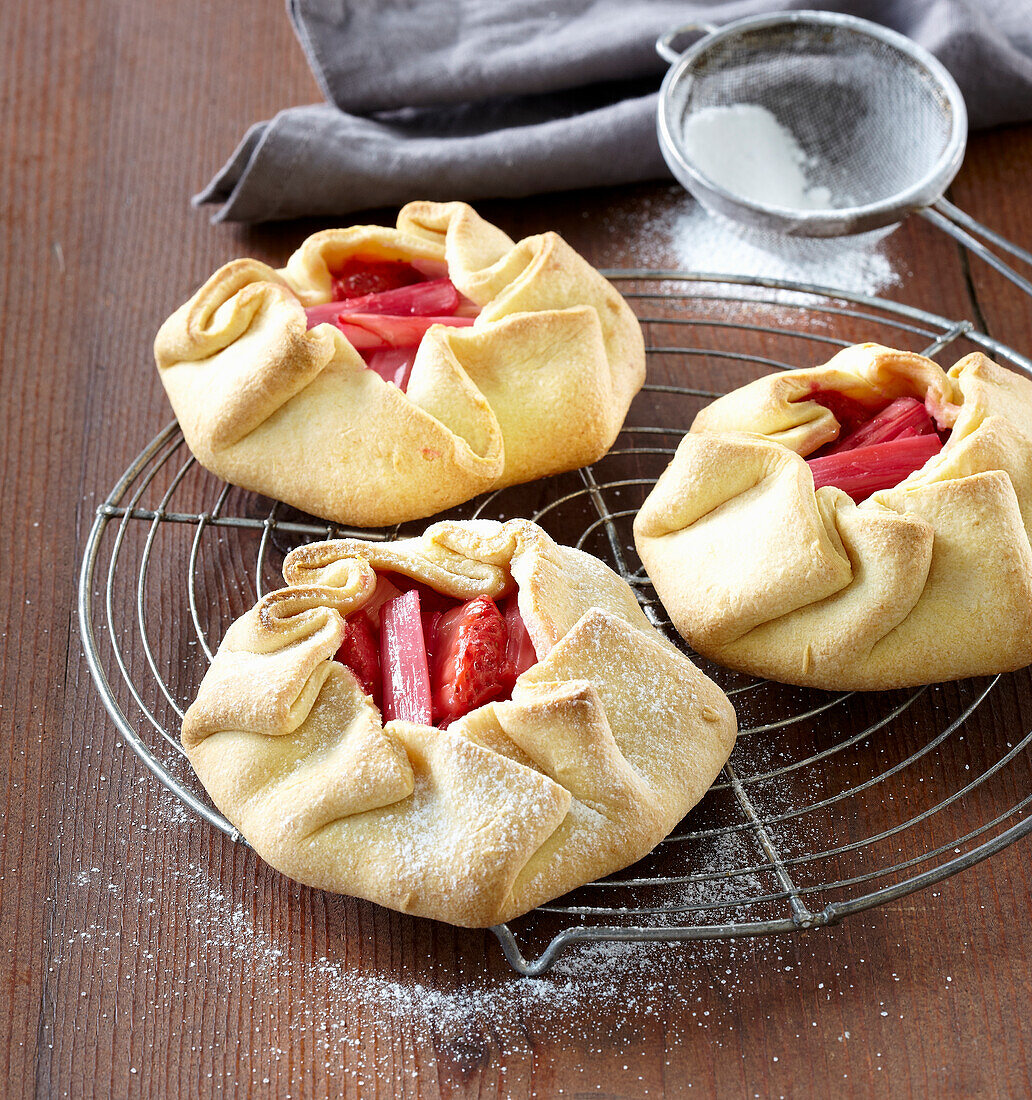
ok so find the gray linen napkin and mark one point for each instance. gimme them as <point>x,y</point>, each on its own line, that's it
<point>467,99</point>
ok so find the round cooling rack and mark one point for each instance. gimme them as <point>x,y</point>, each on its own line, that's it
<point>830,803</point>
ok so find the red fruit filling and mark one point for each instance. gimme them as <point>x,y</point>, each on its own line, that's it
<point>876,450</point>
<point>904,417</point>
<point>434,296</point>
<point>519,648</point>
<point>849,412</point>
<point>425,658</point>
<point>359,277</point>
<point>385,309</point>
<point>360,651</point>
<point>864,470</point>
<point>403,663</point>
<point>470,664</point>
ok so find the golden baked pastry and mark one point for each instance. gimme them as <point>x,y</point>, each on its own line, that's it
<point>525,788</point>
<point>452,361</point>
<point>858,525</point>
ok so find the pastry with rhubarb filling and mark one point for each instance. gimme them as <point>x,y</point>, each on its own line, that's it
<point>859,525</point>
<point>459,726</point>
<point>387,374</point>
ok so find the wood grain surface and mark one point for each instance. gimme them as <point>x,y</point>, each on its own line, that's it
<point>145,955</point>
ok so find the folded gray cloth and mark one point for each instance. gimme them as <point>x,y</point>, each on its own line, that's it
<point>487,98</point>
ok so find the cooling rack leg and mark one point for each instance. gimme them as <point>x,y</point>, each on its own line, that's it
<point>512,951</point>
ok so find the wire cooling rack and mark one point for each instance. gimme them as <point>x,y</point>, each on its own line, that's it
<point>830,803</point>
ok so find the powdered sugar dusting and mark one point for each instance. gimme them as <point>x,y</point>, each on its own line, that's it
<point>746,150</point>
<point>675,231</point>
<point>171,921</point>
<point>458,997</point>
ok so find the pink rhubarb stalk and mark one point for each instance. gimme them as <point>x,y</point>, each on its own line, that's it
<point>327,313</point>
<point>392,364</point>
<point>519,648</point>
<point>378,330</point>
<point>906,416</point>
<point>406,676</point>
<point>862,471</point>
<point>383,592</point>
<point>435,298</point>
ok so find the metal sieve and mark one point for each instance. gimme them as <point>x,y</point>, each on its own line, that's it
<point>882,123</point>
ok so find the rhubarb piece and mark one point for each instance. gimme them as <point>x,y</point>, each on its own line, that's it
<point>406,677</point>
<point>361,338</point>
<point>430,621</point>
<point>848,411</point>
<point>327,313</point>
<point>435,298</point>
<point>392,364</point>
<point>359,652</point>
<point>377,330</point>
<point>384,591</point>
<point>518,648</point>
<point>359,277</point>
<point>471,666</point>
<point>906,416</point>
<point>862,471</point>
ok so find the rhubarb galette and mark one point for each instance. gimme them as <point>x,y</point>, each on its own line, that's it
<point>388,374</point>
<point>860,525</point>
<point>459,726</point>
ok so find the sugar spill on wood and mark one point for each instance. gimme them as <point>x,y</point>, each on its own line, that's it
<point>459,1000</point>
<point>677,232</point>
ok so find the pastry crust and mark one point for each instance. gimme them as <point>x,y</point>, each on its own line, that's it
<point>606,744</point>
<point>928,581</point>
<point>539,384</point>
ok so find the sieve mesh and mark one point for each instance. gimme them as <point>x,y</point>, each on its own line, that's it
<point>881,122</point>
<point>868,115</point>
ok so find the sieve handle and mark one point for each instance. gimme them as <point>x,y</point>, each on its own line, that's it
<point>665,42</point>
<point>962,227</point>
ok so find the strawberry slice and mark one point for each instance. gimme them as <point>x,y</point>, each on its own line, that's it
<point>906,416</point>
<point>518,647</point>
<point>359,277</point>
<point>359,652</point>
<point>470,663</point>
<point>862,471</point>
<point>406,677</point>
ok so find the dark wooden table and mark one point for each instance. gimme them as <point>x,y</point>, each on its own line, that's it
<point>143,955</point>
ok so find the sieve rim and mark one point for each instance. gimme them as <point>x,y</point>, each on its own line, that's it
<point>842,220</point>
